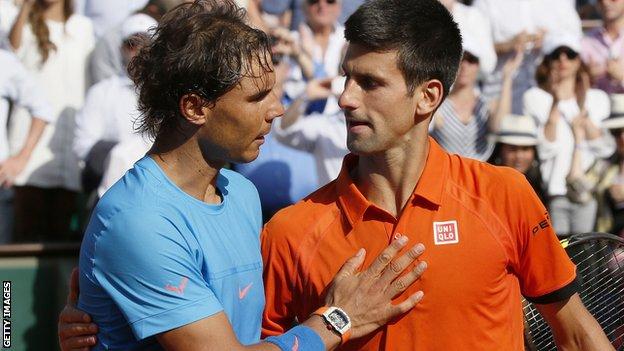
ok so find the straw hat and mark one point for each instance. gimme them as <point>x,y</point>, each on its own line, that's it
<point>616,119</point>
<point>517,130</point>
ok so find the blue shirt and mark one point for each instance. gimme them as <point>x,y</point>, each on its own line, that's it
<point>154,258</point>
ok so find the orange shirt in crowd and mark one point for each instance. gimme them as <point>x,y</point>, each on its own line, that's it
<point>488,240</point>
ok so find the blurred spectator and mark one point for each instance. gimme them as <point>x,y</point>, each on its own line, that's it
<point>53,43</point>
<point>523,23</point>
<point>472,23</point>
<point>611,188</point>
<point>107,119</point>
<point>568,114</point>
<point>17,88</point>
<point>107,14</point>
<point>603,48</point>
<point>516,147</point>
<point>281,174</point>
<point>8,12</point>
<point>106,60</point>
<point>322,135</point>
<point>314,51</point>
<point>293,10</point>
<point>465,121</point>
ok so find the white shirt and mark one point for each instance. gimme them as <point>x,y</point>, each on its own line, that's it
<point>109,114</point>
<point>295,83</point>
<point>18,86</point>
<point>325,136</point>
<point>63,79</point>
<point>556,156</point>
<point>509,18</point>
<point>8,12</point>
<point>473,23</point>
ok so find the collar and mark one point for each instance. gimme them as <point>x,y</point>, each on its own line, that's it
<point>430,186</point>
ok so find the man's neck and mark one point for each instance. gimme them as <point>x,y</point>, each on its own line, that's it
<point>388,179</point>
<point>185,165</point>
<point>614,27</point>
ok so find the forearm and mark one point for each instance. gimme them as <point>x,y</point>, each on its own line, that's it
<point>504,47</point>
<point>15,35</point>
<point>294,112</point>
<point>503,107</point>
<point>550,128</point>
<point>306,64</point>
<point>37,127</point>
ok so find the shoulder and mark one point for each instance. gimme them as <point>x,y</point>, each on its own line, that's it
<point>238,181</point>
<point>9,58</point>
<point>79,21</point>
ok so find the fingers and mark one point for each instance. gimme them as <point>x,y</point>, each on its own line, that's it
<point>352,265</point>
<point>74,289</point>
<point>406,305</point>
<point>385,257</point>
<point>73,315</point>
<point>71,330</point>
<point>400,284</point>
<point>396,267</point>
<point>81,343</point>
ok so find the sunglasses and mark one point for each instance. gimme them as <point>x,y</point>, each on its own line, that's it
<point>470,58</point>
<point>314,2</point>
<point>569,53</point>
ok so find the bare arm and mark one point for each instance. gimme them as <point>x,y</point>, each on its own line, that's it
<point>316,89</point>
<point>573,326</point>
<point>503,105</point>
<point>15,35</point>
<point>14,165</point>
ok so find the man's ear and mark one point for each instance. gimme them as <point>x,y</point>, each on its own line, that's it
<point>430,97</point>
<point>194,109</point>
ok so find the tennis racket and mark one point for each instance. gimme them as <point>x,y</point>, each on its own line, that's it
<point>599,258</point>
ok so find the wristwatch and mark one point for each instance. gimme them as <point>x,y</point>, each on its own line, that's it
<point>337,320</point>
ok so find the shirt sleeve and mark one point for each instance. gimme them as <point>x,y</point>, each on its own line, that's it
<point>26,93</point>
<point>153,273</point>
<point>278,281</point>
<point>541,264</point>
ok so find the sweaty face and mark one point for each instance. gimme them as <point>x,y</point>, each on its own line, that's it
<point>380,111</point>
<point>241,118</point>
<point>518,157</point>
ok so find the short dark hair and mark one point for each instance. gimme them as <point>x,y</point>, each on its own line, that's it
<point>423,32</point>
<point>204,47</point>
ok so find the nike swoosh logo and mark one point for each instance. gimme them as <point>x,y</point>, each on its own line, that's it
<point>243,292</point>
<point>295,345</point>
<point>178,289</point>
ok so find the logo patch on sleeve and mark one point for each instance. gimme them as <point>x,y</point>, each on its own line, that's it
<point>445,233</point>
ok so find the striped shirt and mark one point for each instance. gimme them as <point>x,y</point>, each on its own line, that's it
<point>466,139</point>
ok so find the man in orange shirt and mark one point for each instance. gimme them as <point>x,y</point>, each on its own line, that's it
<point>488,237</point>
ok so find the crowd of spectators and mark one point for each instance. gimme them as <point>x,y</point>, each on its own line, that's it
<point>540,89</point>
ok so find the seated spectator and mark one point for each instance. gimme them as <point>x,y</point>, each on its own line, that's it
<point>322,135</point>
<point>516,147</point>
<point>314,51</point>
<point>611,188</point>
<point>106,60</point>
<point>472,23</point>
<point>465,121</point>
<point>17,88</point>
<point>53,43</point>
<point>569,115</point>
<point>109,113</point>
<point>109,13</point>
<point>603,48</point>
<point>524,23</point>
<point>291,12</point>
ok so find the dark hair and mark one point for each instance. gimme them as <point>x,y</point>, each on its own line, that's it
<point>205,48</point>
<point>40,28</point>
<point>542,72</point>
<point>423,31</point>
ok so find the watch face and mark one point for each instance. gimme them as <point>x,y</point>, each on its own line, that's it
<point>338,319</point>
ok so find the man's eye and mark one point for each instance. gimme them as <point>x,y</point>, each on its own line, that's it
<point>369,83</point>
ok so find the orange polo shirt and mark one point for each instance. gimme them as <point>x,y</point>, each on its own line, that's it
<point>488,240</point>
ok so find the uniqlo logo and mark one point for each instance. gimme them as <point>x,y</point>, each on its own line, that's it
<point>445,233</point>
